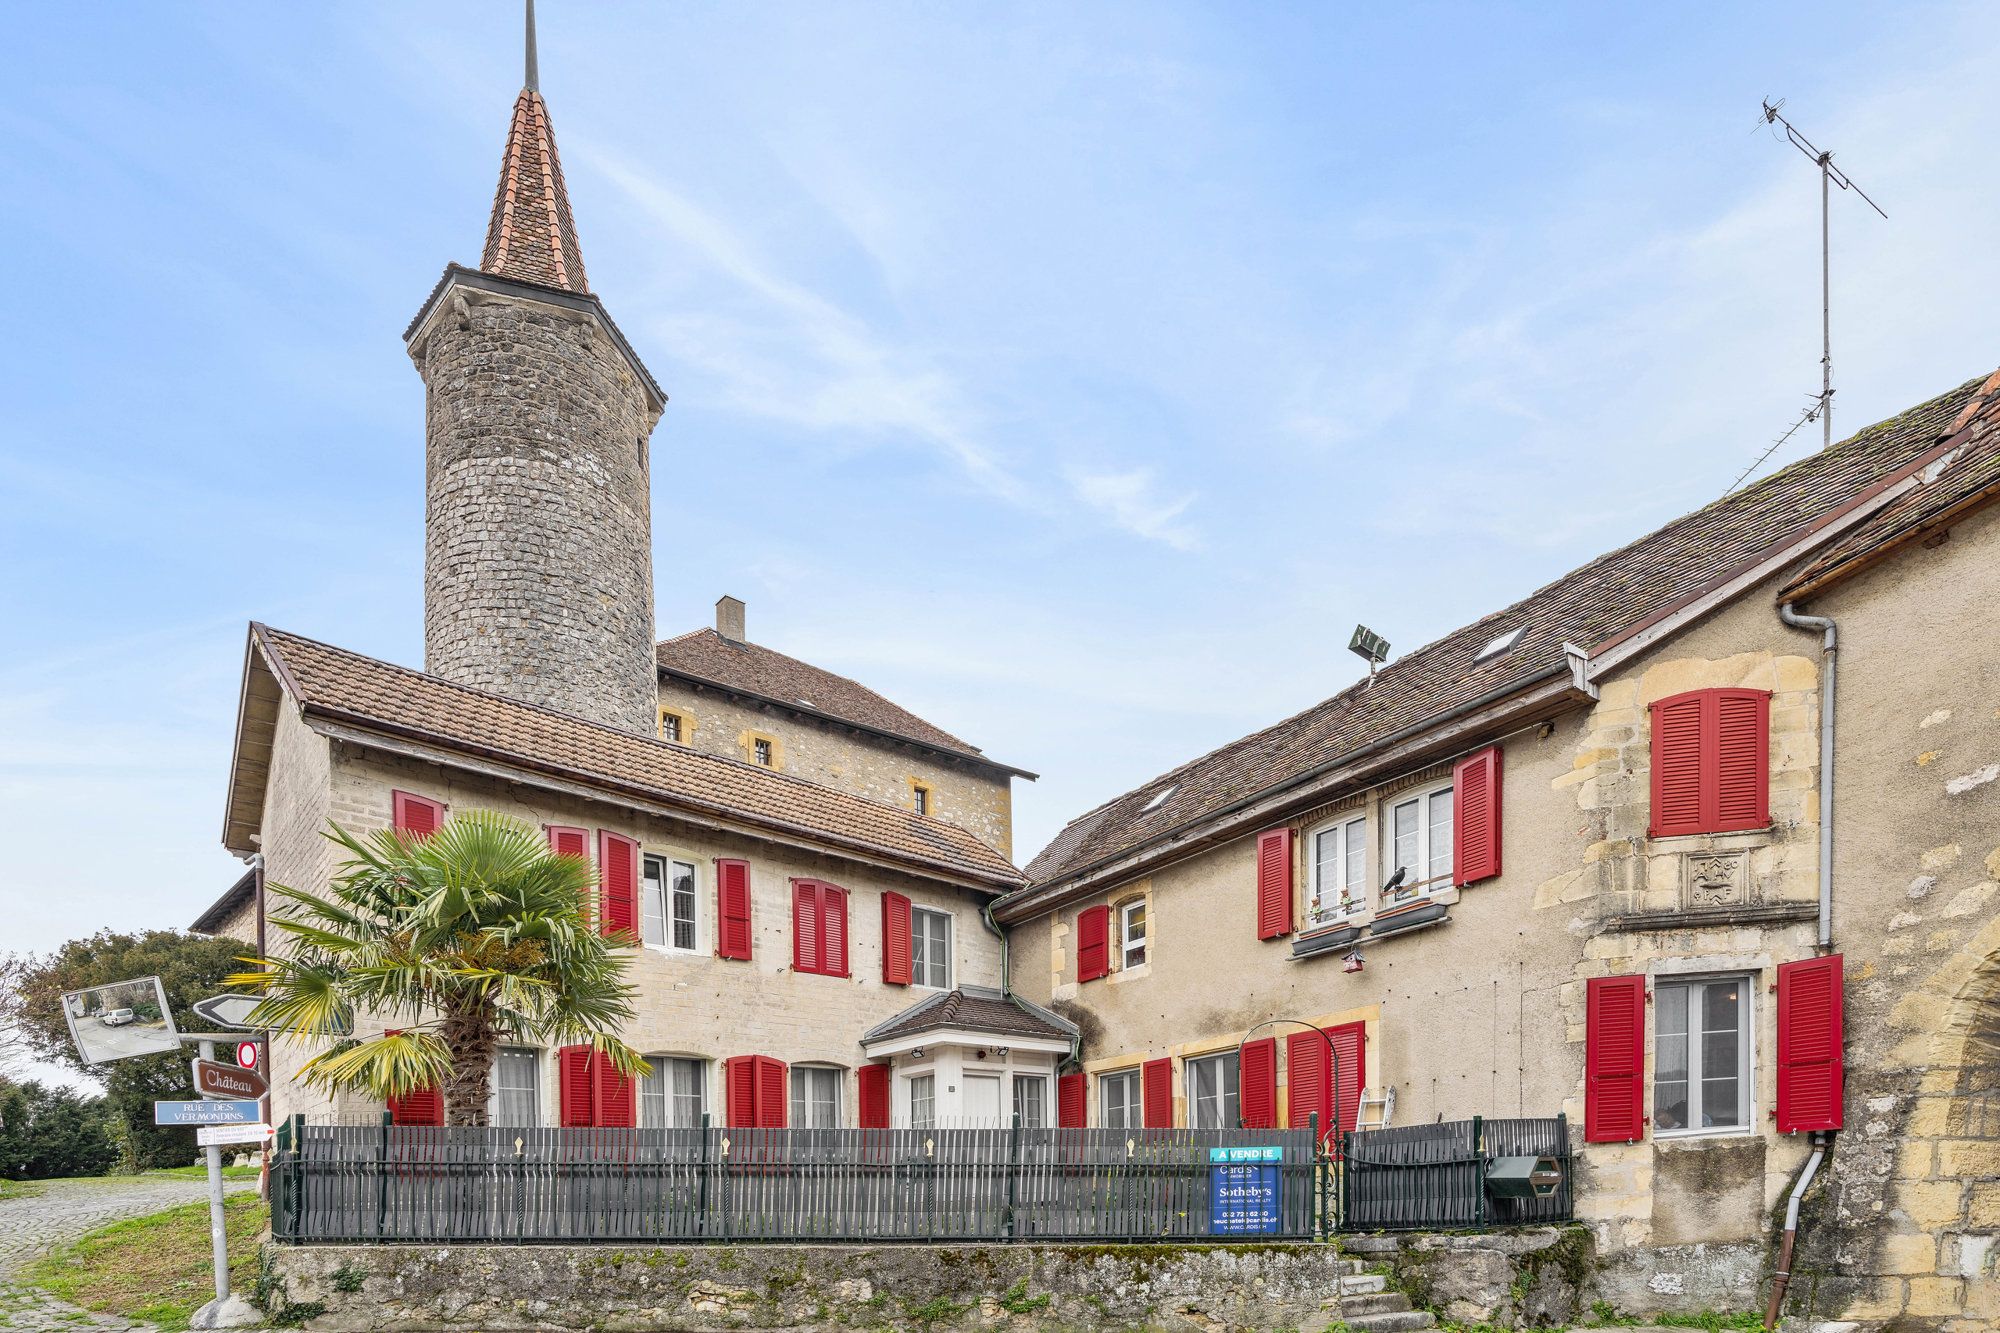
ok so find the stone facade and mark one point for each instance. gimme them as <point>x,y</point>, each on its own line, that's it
<point>1483,1011</point>
<point>538,560</point>
<point>689,1004</point>
<point>1182,1288</point>
<point>978,800</point>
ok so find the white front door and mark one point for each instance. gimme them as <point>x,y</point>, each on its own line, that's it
<point>982,1100</point>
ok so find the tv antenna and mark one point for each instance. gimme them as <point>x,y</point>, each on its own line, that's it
<point>1829,176</point>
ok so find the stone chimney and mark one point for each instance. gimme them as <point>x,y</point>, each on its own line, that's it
<point>729,619</point>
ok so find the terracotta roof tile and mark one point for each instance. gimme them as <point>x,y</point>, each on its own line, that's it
<point>377,696</point>
<point>974,1009</point>
<point>532,236</point>
<point>1606,598</point>
<point>706,656</point>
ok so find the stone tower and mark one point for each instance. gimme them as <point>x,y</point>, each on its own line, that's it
<point>538,566</point>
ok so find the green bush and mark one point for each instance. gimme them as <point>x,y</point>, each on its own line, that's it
<point>47,1133</point>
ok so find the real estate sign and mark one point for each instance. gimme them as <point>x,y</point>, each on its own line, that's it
<point>1245,1188</point>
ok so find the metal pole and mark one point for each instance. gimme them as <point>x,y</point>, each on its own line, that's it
<point>1825,304</point>
<point>218,1231</point>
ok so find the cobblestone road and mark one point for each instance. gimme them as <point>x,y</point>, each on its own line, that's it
<point>29,1226</point>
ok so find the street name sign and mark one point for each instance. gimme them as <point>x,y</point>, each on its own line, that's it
<point>214,1136</point>
<point>212,1078</point>
<point>205,1113</point>
<point>226,1011</point>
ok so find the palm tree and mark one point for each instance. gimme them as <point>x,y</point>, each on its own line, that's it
<point>474,933</point>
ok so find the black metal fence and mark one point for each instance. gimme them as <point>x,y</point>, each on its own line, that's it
<point>352,1183</point>
<point>1434,1177</point>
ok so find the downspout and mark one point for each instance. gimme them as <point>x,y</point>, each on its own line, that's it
<point>1782,1278</point>
<point>1829,657</point>
<point>1007,972</point>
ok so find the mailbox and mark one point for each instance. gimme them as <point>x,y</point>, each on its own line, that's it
<point>1523,1177</point>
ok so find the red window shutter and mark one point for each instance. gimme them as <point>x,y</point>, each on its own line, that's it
<point>1093,943</point>
<point>895,939</point>
<point>565,841</point>
<point>1257,1084</point>
<point>732,908</point>
<point>1350,1044</point>
<point>618,884</point>
<point>575,1087</point>
<point>425,1106</point>
<point>739,1082</point>
<point>1711,762</point>
<point>1070,1101</point>
<point>806,956</point>
<point>1811,1073</point>
<point>1475,827</point>
<point>415,816</point>
<point>1677,766</point>
<point>617,1102</point>
<point>1308,1081</point>
<point>1156,1081</point>
<point>833,930</point>
<point>874,1091</point>
<point>773,1092</point>
<point>1274,883</point>
<point>1614,1060</point>
<point>1743,759</point>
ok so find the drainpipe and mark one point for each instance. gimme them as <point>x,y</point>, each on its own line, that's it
<point>1007,972</point>
<point>1829,658</point>
<point>1783,1277</point>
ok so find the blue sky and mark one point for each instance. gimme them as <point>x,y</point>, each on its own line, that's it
<point>1076,375</point>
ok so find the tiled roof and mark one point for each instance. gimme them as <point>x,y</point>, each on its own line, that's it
<point>1967,478</point>
<point>1610,597</point>
<point>232,901</point>
<point>747,668</point>
<point>974,1009</point>
<point>532,236</point>
<point>342,686</point>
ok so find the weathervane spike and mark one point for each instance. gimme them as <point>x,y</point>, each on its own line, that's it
<point>534,83</point>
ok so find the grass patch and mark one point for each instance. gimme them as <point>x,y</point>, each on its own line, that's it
<point>153,1268</point>
<point>200,1173</point>
<point>28,1189</point>
<point>20,1189</point>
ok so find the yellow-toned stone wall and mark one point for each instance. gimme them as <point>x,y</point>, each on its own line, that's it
<point>977,800</point>
<point>692,1004</point>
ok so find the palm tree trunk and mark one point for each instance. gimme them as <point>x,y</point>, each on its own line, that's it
<point>473,1040</point>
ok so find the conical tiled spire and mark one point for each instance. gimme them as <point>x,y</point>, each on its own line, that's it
<point>532,236</point>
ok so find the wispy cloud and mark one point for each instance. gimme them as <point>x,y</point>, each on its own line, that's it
<point>1131,499</point>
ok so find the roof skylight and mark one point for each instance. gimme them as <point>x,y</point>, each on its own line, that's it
<point>1502,643</point>
<point>1159,799</point>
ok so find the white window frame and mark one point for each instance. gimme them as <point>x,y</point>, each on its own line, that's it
<point>1224,1108</point>
<point>1746,1056</point>
<point>664,1099</point>
<point>526,1056</point>
<point>917,972</point>
<point>1420,883</point>
<point>1126,944</point>
<point>1131,1105</point>
<point>1341,899</point>
<point>795,1103</point>
<point>1020,1096</point>
<point>763,753</point>
<point>923,1101</point>
<point>664,897</point>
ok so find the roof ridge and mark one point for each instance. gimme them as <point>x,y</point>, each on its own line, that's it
<point>927,821</point>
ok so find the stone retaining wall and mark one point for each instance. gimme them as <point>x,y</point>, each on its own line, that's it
<point>411,1288</point>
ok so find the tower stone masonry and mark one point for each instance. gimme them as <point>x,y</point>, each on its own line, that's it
<point>538,577</point>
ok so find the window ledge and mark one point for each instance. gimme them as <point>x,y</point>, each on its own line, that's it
<point>1722,840</point>
<point>1704,918</point>
<point>1421,917</point>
